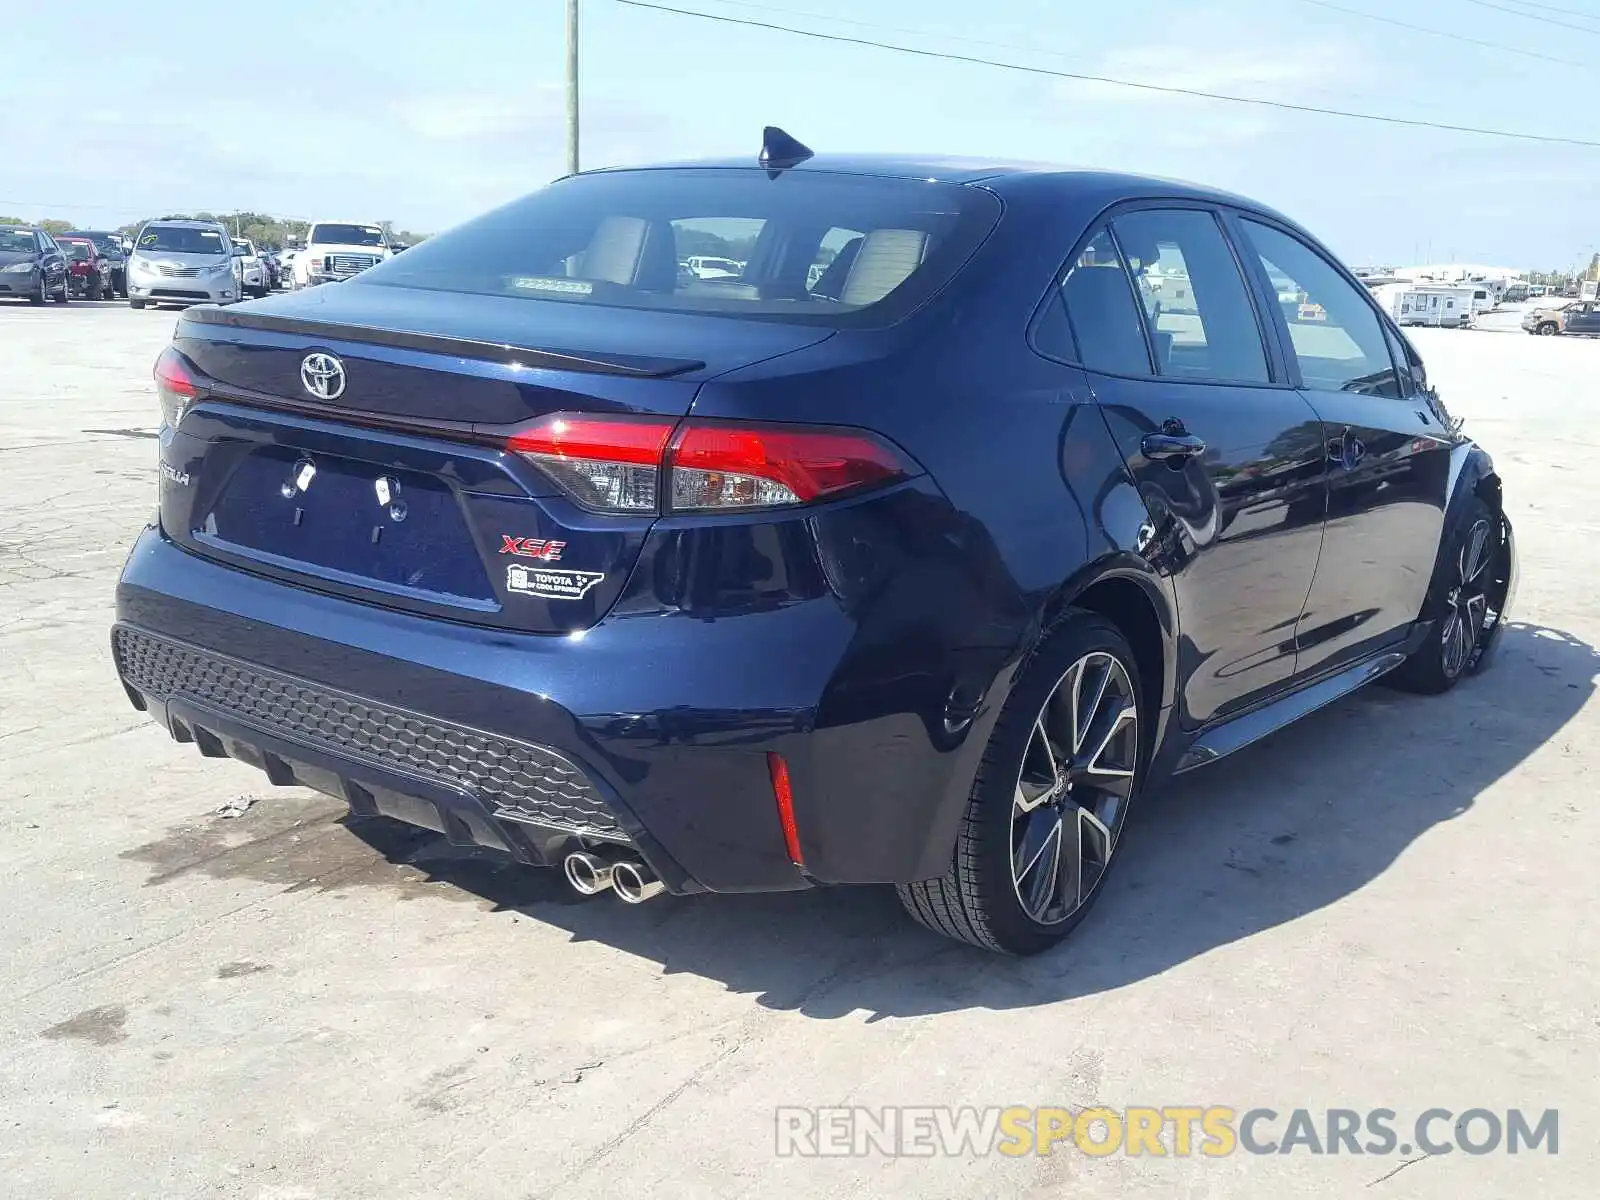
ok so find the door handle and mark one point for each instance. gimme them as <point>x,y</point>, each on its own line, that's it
<point>1171,447</point>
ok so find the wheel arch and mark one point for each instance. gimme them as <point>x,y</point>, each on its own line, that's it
<point>1126,590</point>
<point>1472,477</point>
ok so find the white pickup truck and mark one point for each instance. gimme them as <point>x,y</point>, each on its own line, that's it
<point>336,250</point>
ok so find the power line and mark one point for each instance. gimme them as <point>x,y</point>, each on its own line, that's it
<point>962,39</point>
<point>969,41</point>
<point>1455,37</point>
<point>1517,12</point>
<point>1282,105</point>
<point>47,207</point>
<point>925,33</point>
<point>1571,12</point>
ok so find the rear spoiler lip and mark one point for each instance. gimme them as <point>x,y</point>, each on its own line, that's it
<point>633,365</point>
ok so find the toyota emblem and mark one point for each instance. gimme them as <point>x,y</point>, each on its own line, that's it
<point>323,376</point>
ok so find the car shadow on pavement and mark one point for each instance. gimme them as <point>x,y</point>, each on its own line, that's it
<point>1277,831</point>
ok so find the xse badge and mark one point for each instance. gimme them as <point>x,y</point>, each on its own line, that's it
<point>531,547</point>
<point>553,583</point>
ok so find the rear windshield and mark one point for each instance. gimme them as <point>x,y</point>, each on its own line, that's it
<point>17,241</point>
<point>345,235</point>
<point>82,251</point>
<point>106,243</point>
<point>183,239</point>
<point>807,247</point>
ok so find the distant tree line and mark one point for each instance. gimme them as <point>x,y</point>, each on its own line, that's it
<point>47,226</point>
<point>267,232</point>
<point>692,242</point>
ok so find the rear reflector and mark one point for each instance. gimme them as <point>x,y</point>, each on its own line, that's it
<point>779,770</point>
<point>616,464</point>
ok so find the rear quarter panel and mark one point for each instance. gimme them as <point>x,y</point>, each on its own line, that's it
<point>1029,500</point>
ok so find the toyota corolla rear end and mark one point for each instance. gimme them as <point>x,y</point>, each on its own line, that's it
<point>453,542</point>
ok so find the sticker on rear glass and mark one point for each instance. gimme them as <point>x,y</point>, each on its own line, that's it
<point>550,583</point>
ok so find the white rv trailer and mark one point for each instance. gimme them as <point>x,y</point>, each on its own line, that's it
<point>1443,304</point>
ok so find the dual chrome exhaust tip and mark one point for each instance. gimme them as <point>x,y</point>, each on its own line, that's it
<point>590,874</point>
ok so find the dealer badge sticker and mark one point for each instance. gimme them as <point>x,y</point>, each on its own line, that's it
<point>550,582</point>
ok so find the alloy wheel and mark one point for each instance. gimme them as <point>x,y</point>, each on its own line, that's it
<point>1073,788</point>
<point>1468,600</point>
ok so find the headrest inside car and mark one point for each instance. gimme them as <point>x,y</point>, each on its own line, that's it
<point>885,261</point>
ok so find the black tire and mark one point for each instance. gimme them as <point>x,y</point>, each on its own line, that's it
<point>93,292</point>
<point>40,296</point>
<point>66,291</point>
<point>135,303</point>
<point>1547,329</point>
<point>979,898</point>
<point>1452,650</point>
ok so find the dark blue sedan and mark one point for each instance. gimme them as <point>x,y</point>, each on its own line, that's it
<point>910,546</point>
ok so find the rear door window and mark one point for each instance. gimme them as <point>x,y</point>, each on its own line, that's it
<point>1102,313</point>
<point>1202,324</point>
<point>1337,337</point>
<point>729,242</point>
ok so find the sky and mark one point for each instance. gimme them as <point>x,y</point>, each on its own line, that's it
<point>426,113</point>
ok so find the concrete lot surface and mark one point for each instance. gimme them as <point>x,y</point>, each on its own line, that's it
<point>1391,905</point>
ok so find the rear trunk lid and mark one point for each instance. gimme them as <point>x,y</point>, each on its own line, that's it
<point>336,447</point>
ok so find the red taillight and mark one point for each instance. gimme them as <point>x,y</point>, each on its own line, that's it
<point>611,464</point>
<point>718,466</point>
<point>172,372</point>
<point>176,386</point>
<point>605,439</point>
<point>617,464</point>
<point>784,795</point>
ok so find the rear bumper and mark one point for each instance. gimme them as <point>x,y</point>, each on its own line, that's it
<point>651,732</point>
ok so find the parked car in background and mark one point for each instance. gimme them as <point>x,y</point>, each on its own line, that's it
<point>111,249</point>
<point>182,262</point>
<point>88,272</point>
<point>1578,317</point>
<point>32,266</point>
<point>708,266</point>
<point>252,272</point>
<point>269,267</point>
<point>742,587</point>
<point>338,250</point>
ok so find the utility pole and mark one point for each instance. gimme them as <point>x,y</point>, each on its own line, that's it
<point>572,87</point>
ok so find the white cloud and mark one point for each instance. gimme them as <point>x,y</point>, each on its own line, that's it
<point>467,115</point>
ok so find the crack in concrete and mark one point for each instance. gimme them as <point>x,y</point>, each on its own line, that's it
<point>1397,1170</point>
